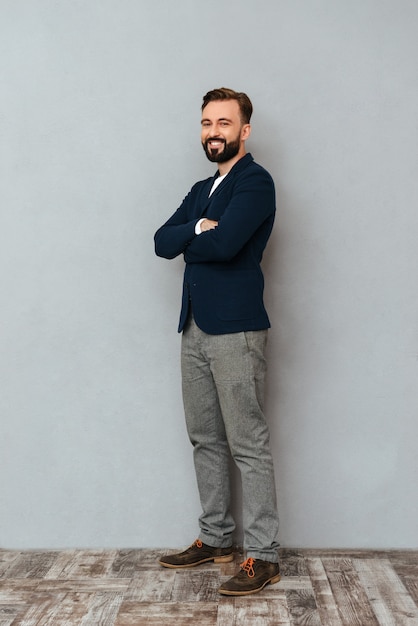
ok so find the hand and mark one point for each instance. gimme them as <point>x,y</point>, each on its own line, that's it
<point>208,225</point>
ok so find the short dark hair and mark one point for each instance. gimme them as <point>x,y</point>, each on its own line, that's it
<point>245,106</point>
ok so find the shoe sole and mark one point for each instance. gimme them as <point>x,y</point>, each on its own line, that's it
<point>227,558</point>
<point>271,581</point>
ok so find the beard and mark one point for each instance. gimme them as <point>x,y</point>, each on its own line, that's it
<point>229,151</point>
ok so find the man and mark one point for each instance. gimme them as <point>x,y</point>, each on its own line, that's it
<point>222,228</point>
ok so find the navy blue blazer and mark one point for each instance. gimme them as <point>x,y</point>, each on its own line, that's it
<point>223,281</point>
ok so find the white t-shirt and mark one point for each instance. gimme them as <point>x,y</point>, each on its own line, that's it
<point>217,182</point>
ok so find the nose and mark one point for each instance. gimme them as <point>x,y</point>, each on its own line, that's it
<point>214,131</point>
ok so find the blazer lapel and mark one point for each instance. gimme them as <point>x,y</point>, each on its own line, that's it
<point>205,199</point>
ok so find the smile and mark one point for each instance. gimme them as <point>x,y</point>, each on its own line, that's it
<point>215,143</point>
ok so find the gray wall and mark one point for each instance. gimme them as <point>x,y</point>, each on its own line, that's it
<point>99,125</point>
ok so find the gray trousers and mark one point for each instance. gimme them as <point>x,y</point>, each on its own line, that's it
<point>223,392</point>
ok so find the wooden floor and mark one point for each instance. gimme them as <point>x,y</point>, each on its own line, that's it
<point>128,587</point>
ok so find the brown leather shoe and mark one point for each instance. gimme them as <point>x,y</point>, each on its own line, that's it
<point>253,577</point>
<point>198,553</point>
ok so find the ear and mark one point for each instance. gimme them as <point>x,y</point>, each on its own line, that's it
<point>245,132</point>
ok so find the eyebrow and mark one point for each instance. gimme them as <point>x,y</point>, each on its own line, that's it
<point>221,119</point>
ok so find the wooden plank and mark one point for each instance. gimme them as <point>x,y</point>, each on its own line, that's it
<point>7,558</point>
<point>48,601</point>
<point>327,608</point>
<point>412,587</point>
<point>253,611</point>
<point>389,598</point>
<point>41,609</point>
<point>226,612</point>
<point>350,597</point>
<point>406,567</point>
<point>82,564</point>
<point>62,563</point>
<point>196,586</point>
<point>332,553</point>
<point>288,583</point>
<point>10,613</point>
<point>148,559</point>
<point>16,587</point>
<point>127,562</point>
<point>103,609</point>
<point>165,614</point>
<point>83,585</point>
<point>32,564</point>
<point>151,586</point>
<point>407,558</point>
<point>292,563</point>
<point>302,608</point>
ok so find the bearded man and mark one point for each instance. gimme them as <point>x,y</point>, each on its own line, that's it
<point>222,228</point>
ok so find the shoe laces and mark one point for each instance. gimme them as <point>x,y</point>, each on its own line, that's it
<point>248,566</point>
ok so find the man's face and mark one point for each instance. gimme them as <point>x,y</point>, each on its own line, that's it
<point>223,132</point>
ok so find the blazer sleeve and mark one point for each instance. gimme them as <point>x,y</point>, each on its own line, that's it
<point>251,204</point>
<point>173,237</point>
